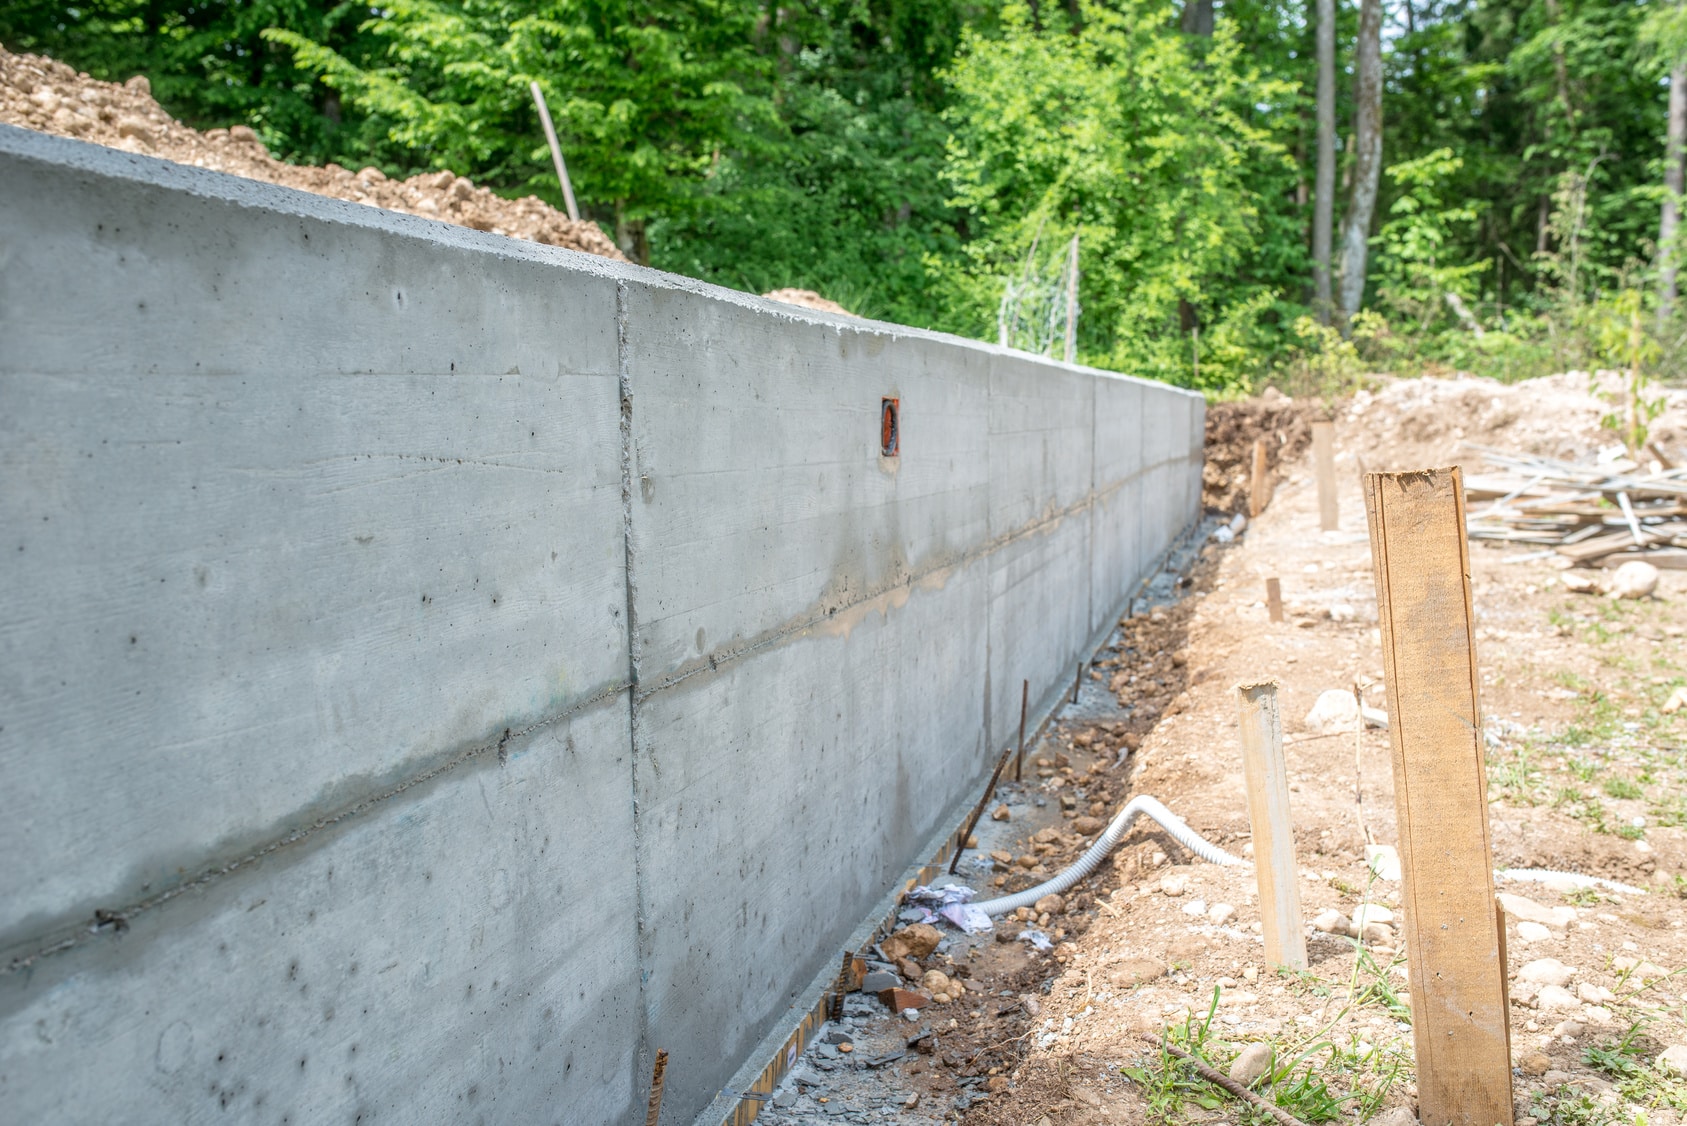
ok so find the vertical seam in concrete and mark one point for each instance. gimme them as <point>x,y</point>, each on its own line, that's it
<point>645,1053</point>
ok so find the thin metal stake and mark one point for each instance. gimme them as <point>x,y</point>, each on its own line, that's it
<point>556,156</point>
<point>1019,759</point>
<point>977,812</point>
<point>1077,682</point>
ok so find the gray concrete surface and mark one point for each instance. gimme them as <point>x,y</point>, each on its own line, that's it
<point>438,670</point>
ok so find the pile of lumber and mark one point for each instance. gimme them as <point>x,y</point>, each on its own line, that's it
<point>1594,515</point>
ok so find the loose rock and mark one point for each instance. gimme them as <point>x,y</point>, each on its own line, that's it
<point>1001,813</point>
<point>1674,1058</point>
<point>1335,711</point>
<point>1546,971</point>
<point>914,941</point>
<point>1521,908</point>
<point>1331,921</point>
<point>1530,931</point>
<point>1556,997</point>
<point>1221,913</point>
<point>1049,905</point>
<point>1251,1064</point>
<point>1087,826</point>
<point>1174,884</point>
<point>1134,971</point>
<point>1634,579</point>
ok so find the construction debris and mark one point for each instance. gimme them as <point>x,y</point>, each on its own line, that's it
<point>1600,515</point>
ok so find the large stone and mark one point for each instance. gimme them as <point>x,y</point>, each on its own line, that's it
<point>1523,909</point>
<point>1368,913</point>
<point>914,941</point>
<point>1251,1065</point>
<point>1556,997</point>
<point>1384,861</point>
<point>1546,971</point>
<point>1331,921</point>
<point>1634,579</point>
<point>1335,711</point>
<point>900,1000</point>
<point>1088,826</point>
<point>1674,1058</point>
<point>1050,905</point>
<point>1530,931</point>
<point>1135,971</point>
<point>878,981</point>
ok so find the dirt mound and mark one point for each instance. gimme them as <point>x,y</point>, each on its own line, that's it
<point>1284,423</point>
<point>1413,423</point>
<point>50,97</point>
<point>808,299</point>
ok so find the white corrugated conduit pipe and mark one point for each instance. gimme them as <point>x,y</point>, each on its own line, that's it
<point>1206,850</point>
<point>1104,844</point>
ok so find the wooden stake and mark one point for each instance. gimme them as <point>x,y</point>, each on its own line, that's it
<point>1257,494</point>
<point>1324,464</point>
<point>1274,839</point>
<point>1454,939</point>
<point>653,1110</point>
<point>1274,598</point>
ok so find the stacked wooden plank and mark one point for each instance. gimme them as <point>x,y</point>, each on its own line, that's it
<point>1595,515</point>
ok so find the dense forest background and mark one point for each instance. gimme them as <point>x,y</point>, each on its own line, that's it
<point>1495,191</point>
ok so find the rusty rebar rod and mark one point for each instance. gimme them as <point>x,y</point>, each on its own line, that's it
<point>1019,758</point>
<point>655,1110</point>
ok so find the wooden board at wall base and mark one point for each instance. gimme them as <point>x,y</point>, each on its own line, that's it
<point>1454,940</point>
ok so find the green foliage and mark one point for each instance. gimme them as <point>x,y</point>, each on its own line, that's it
<point>1419,274</point>
<point>643,94</point>
<point>1117,125</point>
<point>905,157</point>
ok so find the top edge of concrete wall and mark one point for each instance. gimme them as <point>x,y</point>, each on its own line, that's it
<point>26,144</point>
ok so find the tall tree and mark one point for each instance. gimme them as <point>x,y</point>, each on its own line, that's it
<point>1198,17</point>
<point>1367,157</point>
<point>1673,184</point>
<point>1324,190</point>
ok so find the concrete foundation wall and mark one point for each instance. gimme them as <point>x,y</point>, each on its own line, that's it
<point>437,670</point>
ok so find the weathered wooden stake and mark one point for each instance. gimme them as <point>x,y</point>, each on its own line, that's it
<point>1274,599</point>
<point>1454,939</point>
<point>1274,839</point>
<point>1324,465</point>
<point>1257,494</point>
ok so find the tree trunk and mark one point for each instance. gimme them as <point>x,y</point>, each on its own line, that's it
<point>1674,176</point>
<point>1367,157</point>
<point>1198,17</point>
<point>1324,192</point>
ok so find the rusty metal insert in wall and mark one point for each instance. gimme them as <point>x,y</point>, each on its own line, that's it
<point>890,428</point>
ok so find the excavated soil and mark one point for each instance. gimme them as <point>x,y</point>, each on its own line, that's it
<point>1586,765</point>
<point>1232,427</point>
<point>50,97</point>
<point>39,93</point>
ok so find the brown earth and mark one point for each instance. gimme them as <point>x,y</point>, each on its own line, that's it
<point>1573,687</point>
<point>1232,428</point>
<point>1573,690</point>
<point>50,97</point>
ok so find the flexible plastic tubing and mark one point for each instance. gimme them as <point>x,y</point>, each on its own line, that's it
<point>1206,850</point>
<point>1104,844</point>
